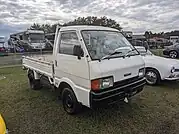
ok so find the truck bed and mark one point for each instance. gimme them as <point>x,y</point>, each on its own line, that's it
<point>40,63</point>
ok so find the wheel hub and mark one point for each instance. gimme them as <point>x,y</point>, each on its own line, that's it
<point>151,77</point>
<point>69,101</point>
<point>173,54</point>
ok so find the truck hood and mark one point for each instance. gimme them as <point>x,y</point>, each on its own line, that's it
<point>157,60</point>
<point>119,68</point>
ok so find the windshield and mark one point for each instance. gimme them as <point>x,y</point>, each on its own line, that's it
<point>102,43</point>
<point>37,38</point>
<point>1,45</point>
<point>143,52</point>
<point>2,39</point>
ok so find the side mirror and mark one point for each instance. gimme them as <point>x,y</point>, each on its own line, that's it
<point>146,48</point>
<point>78,51</point>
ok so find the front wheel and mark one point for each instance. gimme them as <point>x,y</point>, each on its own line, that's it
<point>173,54</point>
<point>69,100</point>
<point>152,77</point>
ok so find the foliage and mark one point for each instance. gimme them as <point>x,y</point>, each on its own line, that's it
<point>47,28</point>
<point>149,34</point>
<point>90,20</point>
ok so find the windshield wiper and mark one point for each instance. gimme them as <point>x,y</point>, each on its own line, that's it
<point>109,56</point>
<point>117,52</point>
<point>130,52</point>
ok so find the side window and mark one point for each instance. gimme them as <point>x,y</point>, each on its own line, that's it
<point>67,43</point>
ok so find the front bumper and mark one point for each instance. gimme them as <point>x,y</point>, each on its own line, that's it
<point>118,92</point>
<point>166,52</point>
<point>175,77</point>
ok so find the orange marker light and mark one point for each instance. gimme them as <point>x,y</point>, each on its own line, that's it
<point>95,84</point>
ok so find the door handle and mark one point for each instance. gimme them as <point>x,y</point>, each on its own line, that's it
<point>56,63</point>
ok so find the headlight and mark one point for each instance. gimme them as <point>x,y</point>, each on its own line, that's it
<point>141,72</point>
<point>173,70</point>
<point>102,83</point>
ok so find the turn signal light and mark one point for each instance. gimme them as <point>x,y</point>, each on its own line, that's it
<point>95,85</point>
<point>102,83</point>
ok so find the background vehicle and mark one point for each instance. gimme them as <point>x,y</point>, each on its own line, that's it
<point>3,49</point>
<point>159,68</point>
<point>89,66</point>
<point>30,40</point>
<point>172,51</point>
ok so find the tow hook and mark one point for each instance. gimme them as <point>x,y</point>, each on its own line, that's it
<point>126,100</point>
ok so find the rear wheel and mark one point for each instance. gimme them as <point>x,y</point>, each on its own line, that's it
<point>173,54</point>
<point>34,84</point>
<point>69,100</point>
<point>152,77</point>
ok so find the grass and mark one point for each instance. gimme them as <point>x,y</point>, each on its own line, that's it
<point>10,60</point>
<point>158,52</point>
<point>154,111</point>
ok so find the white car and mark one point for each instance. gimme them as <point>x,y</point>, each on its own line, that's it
<point>158,68</point>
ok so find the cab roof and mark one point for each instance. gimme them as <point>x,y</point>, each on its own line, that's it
<point>86,27</point>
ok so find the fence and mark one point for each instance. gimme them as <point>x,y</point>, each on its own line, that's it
<point>16,58</point>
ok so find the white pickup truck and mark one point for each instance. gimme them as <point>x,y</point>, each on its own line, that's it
<point>89,67</point>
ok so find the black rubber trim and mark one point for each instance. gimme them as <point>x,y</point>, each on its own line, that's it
<point>176,70</point>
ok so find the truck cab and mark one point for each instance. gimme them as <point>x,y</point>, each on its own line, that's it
<point>90,66</point>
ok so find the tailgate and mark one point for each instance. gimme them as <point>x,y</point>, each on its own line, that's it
<point>41,66</point>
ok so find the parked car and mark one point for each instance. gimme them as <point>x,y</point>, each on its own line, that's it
<point>3,51</point>
<point>158,68</point>
<point>172,51</point>
<point>3,129</point>
<point>87,68</point>
<point>17,49</point>
<point>20,49</point>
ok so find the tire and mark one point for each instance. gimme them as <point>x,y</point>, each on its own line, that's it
<point>34,84</point>
<point>69,100</point>
<point>173,54</point>
<point>152,77</point>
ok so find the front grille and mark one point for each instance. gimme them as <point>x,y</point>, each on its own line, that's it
<point>127,81</point>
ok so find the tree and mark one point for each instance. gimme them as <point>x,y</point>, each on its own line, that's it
<point>147,35</point>
<point>92,20</point>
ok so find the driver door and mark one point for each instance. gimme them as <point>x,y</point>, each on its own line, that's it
<point>67,64</point>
